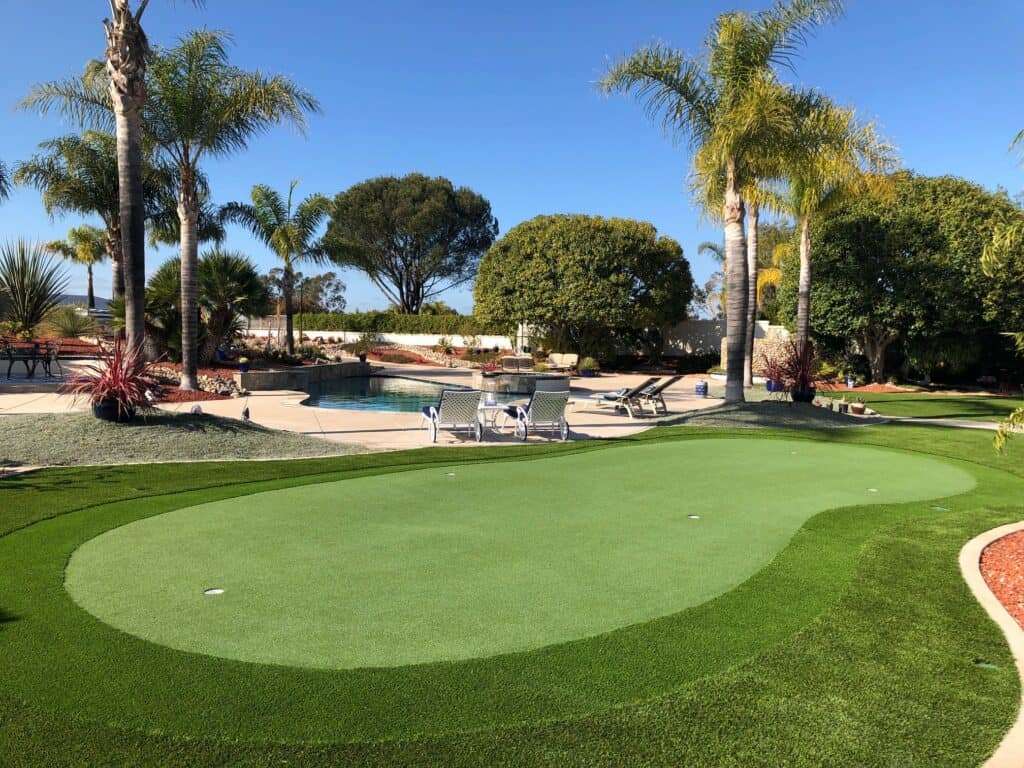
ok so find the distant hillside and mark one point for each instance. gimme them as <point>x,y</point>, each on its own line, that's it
<point>75,299</point>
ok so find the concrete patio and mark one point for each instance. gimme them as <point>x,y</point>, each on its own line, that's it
<point>380,430</point>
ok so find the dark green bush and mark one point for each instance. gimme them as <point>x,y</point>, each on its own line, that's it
<point>393,322</point>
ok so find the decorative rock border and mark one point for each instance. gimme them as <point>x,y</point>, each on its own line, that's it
<point>1010,753</point>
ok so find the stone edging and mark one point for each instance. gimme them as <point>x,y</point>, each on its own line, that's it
<point>1010,751</point>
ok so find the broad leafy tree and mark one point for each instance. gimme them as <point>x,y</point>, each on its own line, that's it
<point>290,229</point>
<point>904,272</point>
<point>86,246</point>
<point>728,104</point>
<point>414,237</point>
<point>591,282</point>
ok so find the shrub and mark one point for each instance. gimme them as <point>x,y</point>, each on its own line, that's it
<point>121,375</point>
<point>588,364</point>
<point>394,322</point>
<point>796,366</point>
<point>309,351</point>
<point>69,323</point>
<point>444,345</point>
<point>696,363</point>
<point>31,283</point>
<point>541,367</point>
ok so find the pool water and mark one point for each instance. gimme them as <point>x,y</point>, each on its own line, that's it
<point>383,393</point>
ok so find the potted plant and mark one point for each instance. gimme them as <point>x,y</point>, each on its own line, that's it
<point>118,385</point>
<point>588,367</point>
<point>858,407</point>
<point>243,364</point>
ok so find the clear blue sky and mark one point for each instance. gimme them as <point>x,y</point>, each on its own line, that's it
<point>500,97</point>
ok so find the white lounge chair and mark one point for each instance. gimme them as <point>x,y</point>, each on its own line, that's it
<point>545,411</point>
<point>562,361</point>
<point>458,409</point>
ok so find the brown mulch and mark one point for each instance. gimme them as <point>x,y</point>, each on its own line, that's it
<point>174,395</point>
<point>836,386</point>
<point>1002,565</point>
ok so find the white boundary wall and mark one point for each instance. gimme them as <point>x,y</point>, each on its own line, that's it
<point>410,339</point>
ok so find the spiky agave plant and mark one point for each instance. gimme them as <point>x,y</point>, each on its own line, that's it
<point>120,382</point>
<point>31,283</point>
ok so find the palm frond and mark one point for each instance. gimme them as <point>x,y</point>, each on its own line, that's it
<point>671,86</point>
<point>84,100</point>
<point>5,182</point>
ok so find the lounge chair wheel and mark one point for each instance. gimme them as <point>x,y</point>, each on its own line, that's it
<point>433,432</point>
<point>522,432</point>
<point>564,430</point>
<point>478,432</point>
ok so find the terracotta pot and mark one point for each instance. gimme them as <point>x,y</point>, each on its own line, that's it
<point>803,395</point>
<point>857,408</point>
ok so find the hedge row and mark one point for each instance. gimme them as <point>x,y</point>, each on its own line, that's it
<point>393,322</point>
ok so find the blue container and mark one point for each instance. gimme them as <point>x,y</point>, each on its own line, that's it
<point>701,389</point>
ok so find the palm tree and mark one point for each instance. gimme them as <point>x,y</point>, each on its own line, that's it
<point>289,230</point>
<point>85,245</point>
<point>715,283</point>
<point>128,54</point>
<point>727,104</point>
<point>839,159</point>
<point>79,174</point>
<point>230,289</point>
<point>200,105</point>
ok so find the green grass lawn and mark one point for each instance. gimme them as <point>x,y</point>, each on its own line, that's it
<point>74,439</point>
<point>939,406</point>
<point>851,641</point>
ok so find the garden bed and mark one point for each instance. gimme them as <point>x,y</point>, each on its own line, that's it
<point>1002,565</point>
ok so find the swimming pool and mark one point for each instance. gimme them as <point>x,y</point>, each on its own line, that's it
<point>383,393</point>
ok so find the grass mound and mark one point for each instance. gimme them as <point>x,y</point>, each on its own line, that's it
<point>769,413</point>
<point>80,439</point>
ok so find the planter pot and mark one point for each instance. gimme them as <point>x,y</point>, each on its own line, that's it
<point>243,367</point>
<point>588,374</point>
<point>362,357</point>
<point>857,409</point>
<point>844,407</point>
<point>803,395</point>
<point>107,410</point>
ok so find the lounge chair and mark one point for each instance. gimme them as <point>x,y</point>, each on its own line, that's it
<point>545,411</point>
<point>627,399</point>
<point>652,396</point>
<point>458,409</point>
<point>559,361</point>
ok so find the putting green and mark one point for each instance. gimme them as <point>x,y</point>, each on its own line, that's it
<point>477,560</point>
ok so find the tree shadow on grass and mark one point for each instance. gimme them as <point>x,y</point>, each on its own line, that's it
<point>6,618</point>
<point>190,422</point>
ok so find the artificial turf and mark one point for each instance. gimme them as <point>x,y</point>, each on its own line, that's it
<point>461,562</point>
<point>856,645</point>
<point>939,406</point>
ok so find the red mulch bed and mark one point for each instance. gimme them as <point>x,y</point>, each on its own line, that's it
<point>175,395</point>
<point>837,387</point>
<point>1002,565</point>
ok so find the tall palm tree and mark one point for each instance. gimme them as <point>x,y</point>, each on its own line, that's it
<point>85,245</point>
<point>715,283</point>
<point>840,159</point>
<point>726,103</point>
<point>199,106</point>
<point>128,54</point>
<point>288,229</point>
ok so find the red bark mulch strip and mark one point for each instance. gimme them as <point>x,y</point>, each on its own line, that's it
<point>1002,566</point>
<point>172,395</point>
<point>837,387</point>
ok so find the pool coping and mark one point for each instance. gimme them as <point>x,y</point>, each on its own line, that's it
<point>1011,749</point>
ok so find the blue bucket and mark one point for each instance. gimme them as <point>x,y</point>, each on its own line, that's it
<point>701,389</point>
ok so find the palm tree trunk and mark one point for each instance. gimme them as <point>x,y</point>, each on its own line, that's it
<point>127,49</point>
<point>116,262</point>
<point>92,296</point>
<point>188,214</point>
<point>288,290</point>
<point>753,214</point>
<point>803,301</point>
<point>736,280</point>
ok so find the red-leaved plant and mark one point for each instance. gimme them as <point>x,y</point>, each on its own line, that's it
<point>122,376</point>
<point>792,364</point>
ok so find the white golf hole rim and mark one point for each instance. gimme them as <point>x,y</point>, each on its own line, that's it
<point>213,591</point>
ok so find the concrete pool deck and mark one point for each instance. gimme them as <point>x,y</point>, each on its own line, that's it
<point>386,431</point>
